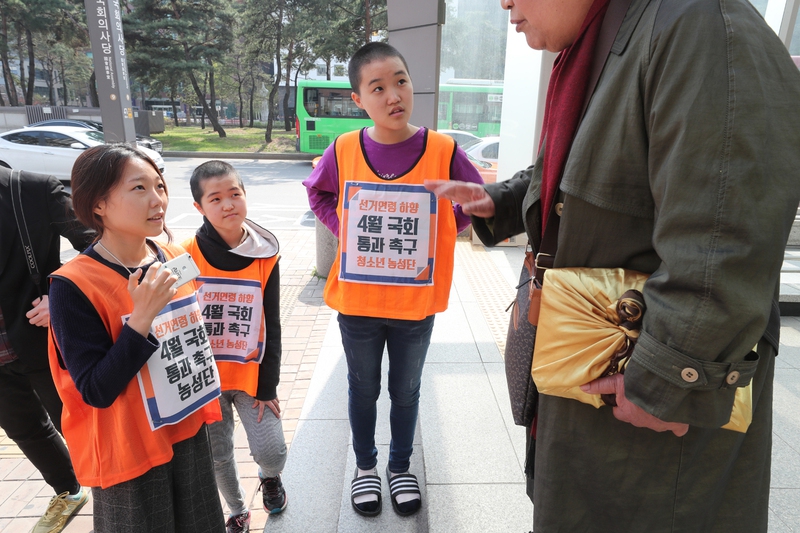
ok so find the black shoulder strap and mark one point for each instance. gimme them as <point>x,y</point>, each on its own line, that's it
<point>22,228</point>
<point>612,22</point>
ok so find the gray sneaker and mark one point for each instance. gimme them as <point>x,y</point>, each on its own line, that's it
<point>239,523</point>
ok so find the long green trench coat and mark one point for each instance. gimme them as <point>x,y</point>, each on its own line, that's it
<point>686,166</point>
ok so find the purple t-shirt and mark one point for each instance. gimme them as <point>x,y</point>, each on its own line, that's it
<point>389,161</point>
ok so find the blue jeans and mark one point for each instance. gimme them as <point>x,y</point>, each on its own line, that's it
<point>407,342</point>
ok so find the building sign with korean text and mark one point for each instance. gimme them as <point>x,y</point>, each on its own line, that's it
<point>389,235</point>
<point>181,376</point>
<point>104,19</point>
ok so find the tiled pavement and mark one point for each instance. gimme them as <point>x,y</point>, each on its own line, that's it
<point>482,289</point>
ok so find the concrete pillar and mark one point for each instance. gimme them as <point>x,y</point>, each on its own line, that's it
<point>415,29</point>
<point>327,244</point>
<point>526,77</point>
<point>781,15</point>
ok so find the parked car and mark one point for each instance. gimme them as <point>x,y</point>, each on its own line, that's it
<point>141,140</point>
<point>462,138</point>
<point>488,171</point>
<point>485,150</point>
<point>53,150</point>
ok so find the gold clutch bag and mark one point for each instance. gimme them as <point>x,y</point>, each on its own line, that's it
<point>589,321</point>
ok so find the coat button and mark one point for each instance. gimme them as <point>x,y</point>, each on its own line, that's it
<point>689,375</point>
<point>732,378</point>
<point>559,208</point>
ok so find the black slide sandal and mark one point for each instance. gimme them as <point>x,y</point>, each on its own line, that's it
<point>404,484</point>
<point>361,486</point>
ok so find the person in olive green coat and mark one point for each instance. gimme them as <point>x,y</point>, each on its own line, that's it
<point>685,166</point>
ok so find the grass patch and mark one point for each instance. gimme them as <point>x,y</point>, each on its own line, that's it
<point>315,274</point>
<point>194,139</point>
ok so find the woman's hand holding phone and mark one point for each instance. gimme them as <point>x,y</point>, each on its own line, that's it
<point>150,296</point>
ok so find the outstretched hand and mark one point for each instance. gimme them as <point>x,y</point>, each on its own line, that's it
<point>473,198</point>
<point>629,412</point>
<point>150,296</point>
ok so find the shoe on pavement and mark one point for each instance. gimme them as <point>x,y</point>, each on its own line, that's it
<point>239,523</point>
<point>275,499</point>
<point>363,486</point>
<point>59,511</point>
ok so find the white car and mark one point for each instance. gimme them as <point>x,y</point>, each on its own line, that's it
<point>141,140</point>
<point>53,150</point>
<point>485,150</point>
<point>463,138</point>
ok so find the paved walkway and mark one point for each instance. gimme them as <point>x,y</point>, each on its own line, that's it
<point>467,446</point>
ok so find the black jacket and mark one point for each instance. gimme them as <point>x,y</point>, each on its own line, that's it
<point>47,207</point>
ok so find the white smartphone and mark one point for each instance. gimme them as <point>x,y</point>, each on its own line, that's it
<point>183,267</point>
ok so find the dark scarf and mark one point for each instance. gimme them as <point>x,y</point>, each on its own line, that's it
<point>217,251</point>
<point>566,94</point>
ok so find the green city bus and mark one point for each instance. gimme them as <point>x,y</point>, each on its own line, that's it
<point>325,111</point>
<point>473,106</point>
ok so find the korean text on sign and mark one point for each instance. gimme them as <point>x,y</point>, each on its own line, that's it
<point>390,234</point>
<point>233,313</point>
<point>181,376</point>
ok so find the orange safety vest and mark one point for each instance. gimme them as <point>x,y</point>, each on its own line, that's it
<point>396,301</point>
<point>236,376</point>
<point>112,445</point>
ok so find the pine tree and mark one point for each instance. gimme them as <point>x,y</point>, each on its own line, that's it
<point>181,36</point>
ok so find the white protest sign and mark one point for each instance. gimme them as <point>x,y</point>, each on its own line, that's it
<point>233,313</point>
<point>181,376</point>
<point>389,235</point>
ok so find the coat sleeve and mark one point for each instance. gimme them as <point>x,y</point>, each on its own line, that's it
<point>721,118</point>
<point>269,372</point>
<point>509,199</point>
<point>62,217</point>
